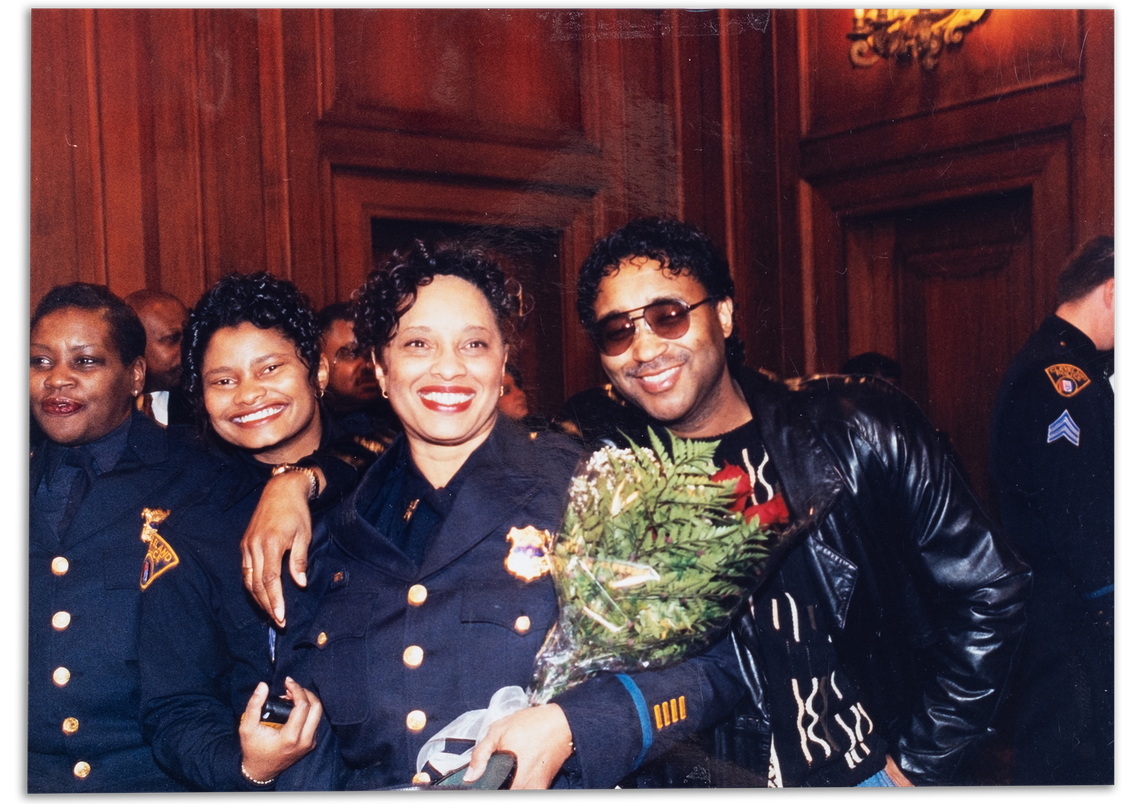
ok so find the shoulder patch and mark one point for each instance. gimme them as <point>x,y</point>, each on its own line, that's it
<point>160,556</point>
<point>1064,427</point>
<point>1067,379</point>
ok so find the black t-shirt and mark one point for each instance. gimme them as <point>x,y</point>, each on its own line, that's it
<point>821,733</point>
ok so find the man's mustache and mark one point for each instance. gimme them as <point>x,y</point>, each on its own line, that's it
<point>657,365</point>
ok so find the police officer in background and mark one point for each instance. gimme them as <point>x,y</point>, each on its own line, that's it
<point>102,478</point>
<point>1051,461</point>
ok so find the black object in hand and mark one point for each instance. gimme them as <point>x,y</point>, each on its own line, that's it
<point>497,775</point>
<point>276,711</point>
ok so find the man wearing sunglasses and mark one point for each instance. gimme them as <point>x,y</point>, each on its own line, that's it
<point>878,648</point>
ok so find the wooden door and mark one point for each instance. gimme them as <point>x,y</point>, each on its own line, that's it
<point>947,290</point>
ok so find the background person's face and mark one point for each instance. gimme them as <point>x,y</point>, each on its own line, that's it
<point>163,321</point>
<point>80,389</point>
<point>352,380</point>
<point>513,402</point>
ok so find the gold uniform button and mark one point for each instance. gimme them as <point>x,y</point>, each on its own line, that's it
<point>413,656</point>
<point>70,725</point>
<point>60,620</point>
<point>59,565</point>
<point>421,778</point>
<point>81,769</point>
<point>416,720</point>
<point>322,638</point>
<point>417,594</point>
<point>61,676</point>
<point>522,624</point>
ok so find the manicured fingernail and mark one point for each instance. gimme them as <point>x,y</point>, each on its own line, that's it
<point>303,579</point>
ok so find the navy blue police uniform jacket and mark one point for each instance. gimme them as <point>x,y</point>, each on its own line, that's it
<point>1052,454</point>
<point>397,651</point>
<point>204,642</point>
<point>84,732</point>
<point>1051,458</point>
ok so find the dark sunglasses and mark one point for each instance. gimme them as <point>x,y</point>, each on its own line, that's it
<point>668,319</point>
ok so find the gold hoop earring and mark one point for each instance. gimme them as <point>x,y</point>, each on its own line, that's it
<point>384,392</point>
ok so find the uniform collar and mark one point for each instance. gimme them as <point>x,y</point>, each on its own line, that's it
<point>1070,338</point>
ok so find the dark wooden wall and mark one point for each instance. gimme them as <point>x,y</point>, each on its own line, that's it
<point>935,209</point>
<point>920,214</point>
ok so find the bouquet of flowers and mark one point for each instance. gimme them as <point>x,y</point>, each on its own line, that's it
<point>653,556</point>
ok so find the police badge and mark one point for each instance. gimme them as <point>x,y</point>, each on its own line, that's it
<point>527,557</point>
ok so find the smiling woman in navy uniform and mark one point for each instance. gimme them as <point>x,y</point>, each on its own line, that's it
<point>254,375</point>
<point>426,599</point>
<point>100,476</point>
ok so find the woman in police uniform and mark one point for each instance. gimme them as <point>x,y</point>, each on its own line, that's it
<point>418,617</point>
<point>424,598</point>
<point>100,475</point>
<point>254,375</point>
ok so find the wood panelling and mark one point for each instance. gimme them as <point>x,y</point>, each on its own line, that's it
<point>1010,51</point>
<point>66,239</point>
<point>937,208</point>
<point>495,74</point>
<point>169,146</point>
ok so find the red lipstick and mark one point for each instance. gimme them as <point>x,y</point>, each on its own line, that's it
<point>446,398</point>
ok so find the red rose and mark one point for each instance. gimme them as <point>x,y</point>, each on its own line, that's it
<point>773,512</point>
<point>741,490</point>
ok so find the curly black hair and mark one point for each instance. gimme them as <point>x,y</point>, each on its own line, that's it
<point>680,247</point>
<point>126,329</point>
<point>260,299</point>
<point>390,290</point>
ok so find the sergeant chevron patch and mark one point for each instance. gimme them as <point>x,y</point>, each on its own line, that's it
<point>1064,427</point>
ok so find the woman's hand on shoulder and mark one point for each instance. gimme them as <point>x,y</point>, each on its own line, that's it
<point>266,751</point>
<point>281,523</point>
<point>540,739</point>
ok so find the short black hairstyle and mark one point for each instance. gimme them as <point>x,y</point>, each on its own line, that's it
<point>127,330</point>
<point>873,363</point>
<point>331,313</point>
<point>1090,266</point>
<point>680,247</point>
<point>390,290</point>
<point>259,299</point>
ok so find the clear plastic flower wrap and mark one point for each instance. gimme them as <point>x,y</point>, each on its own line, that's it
<point>652,559</point>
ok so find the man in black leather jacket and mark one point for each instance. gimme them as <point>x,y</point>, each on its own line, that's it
<point>887,561</point>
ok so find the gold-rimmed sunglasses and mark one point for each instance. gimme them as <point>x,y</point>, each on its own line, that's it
<point>667,319</point>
